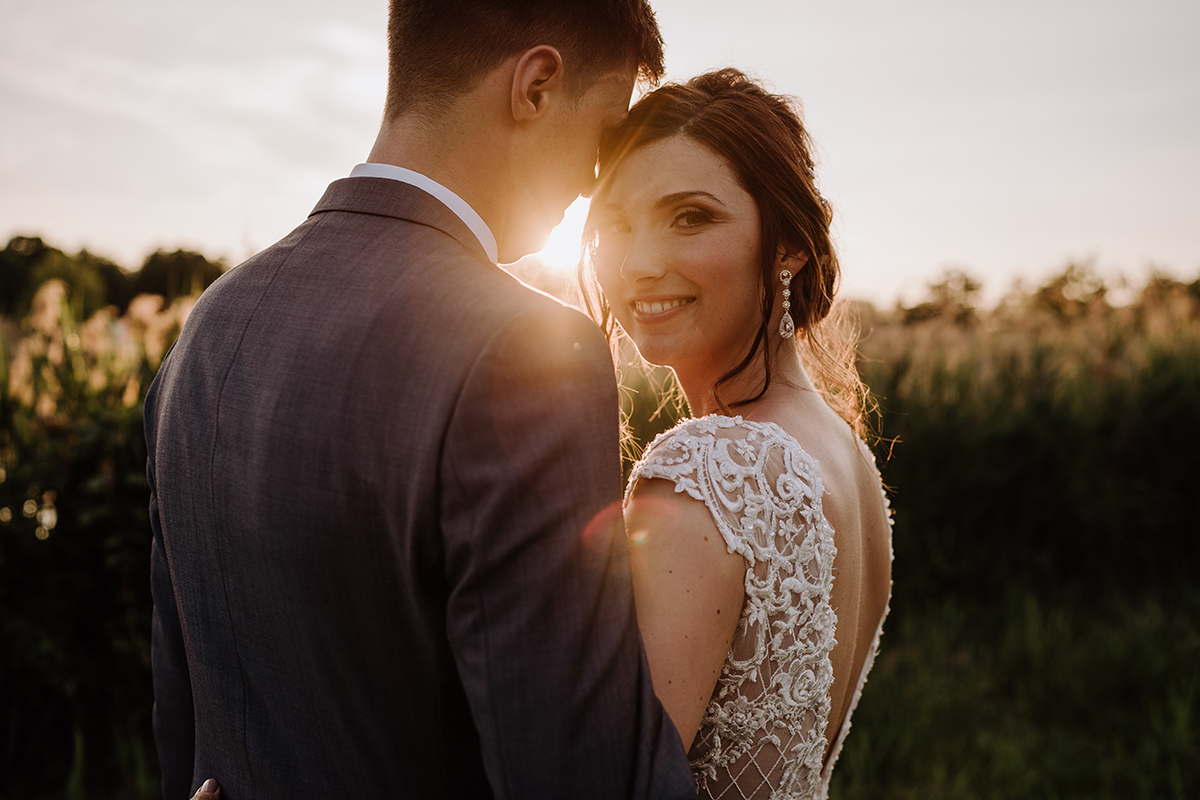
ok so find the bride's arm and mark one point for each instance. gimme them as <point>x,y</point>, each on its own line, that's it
<point>689,592</point>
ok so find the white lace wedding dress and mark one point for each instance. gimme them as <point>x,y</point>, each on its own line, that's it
<point>763,732</point>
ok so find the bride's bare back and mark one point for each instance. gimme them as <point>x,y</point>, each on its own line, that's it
<point>854,505</point>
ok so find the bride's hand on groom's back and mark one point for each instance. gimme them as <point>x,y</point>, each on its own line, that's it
<point>209,790</point>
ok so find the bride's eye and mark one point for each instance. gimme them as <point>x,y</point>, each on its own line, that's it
<point>691,218</point>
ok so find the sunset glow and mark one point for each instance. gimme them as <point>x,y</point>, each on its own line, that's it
<point>561,252</point>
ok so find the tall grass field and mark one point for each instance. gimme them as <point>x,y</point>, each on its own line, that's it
<point>1043,461</point>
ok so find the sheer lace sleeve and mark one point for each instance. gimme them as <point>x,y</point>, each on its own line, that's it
<point>763,732</point>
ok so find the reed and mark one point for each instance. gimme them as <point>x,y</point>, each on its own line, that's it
<point>1050,444</point>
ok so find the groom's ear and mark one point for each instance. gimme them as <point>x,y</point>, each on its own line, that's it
<point>537,78</point>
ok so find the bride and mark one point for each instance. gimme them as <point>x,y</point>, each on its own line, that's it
<point>759,532</point>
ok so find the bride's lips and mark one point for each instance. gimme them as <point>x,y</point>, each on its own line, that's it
<point>657,309</point>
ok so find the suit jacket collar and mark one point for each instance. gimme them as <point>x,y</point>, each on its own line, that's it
<point>388,198</point>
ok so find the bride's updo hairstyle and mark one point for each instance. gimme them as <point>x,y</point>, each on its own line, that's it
<point>761,137</point>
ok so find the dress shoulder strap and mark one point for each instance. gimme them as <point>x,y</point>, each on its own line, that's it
<point>744,471</point>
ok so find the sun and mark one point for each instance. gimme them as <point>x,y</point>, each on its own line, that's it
<point>561,252</point>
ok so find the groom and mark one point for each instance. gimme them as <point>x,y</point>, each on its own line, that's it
<point>388,559</point>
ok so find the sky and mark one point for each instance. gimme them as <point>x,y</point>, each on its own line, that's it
<point>1003,139</point>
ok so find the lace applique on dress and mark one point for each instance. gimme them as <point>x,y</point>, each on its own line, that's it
<point>763,732</point>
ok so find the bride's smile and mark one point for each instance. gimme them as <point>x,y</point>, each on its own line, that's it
<point>648,311</point>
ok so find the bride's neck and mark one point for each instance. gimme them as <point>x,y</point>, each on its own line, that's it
<point>787,374</point>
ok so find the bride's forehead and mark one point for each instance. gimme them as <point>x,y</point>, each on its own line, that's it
<point>668,167</point>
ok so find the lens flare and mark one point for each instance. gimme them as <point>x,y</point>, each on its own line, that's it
<point>561,252</point>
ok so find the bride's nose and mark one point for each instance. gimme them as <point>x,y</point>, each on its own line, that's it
<point>643,261</point>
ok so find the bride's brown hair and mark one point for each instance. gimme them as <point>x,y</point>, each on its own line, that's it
<point>761,137</point>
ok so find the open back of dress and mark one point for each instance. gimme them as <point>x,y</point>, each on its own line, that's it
<point>762,736</point>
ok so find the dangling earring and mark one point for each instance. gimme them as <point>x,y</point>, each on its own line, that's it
<point>787,328</point>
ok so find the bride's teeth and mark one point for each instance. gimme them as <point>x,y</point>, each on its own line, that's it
<point>657,307</point>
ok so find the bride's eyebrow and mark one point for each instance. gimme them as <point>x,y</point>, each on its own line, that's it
<point>677,197</point>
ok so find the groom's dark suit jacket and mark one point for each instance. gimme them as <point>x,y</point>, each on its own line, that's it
<point>387,556</point>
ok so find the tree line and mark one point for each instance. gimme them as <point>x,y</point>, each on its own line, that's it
<point>96,282</point>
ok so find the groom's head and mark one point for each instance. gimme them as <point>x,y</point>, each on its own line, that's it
<point>544,77</point>
<point>438,49</point>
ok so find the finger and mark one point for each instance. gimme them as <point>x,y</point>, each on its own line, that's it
<point>211,790</point>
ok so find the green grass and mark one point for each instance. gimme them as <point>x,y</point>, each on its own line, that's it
<point>1030,701</point>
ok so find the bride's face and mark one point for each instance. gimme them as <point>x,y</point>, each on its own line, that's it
<point>678,257</point>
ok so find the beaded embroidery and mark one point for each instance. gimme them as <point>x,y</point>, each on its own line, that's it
<point>763,731</point>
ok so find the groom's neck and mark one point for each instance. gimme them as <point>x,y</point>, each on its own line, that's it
<point>464,148</point>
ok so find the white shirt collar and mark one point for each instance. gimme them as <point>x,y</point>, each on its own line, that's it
<point>460,207</point>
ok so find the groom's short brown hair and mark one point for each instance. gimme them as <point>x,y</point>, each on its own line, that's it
<point>437,48</point>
